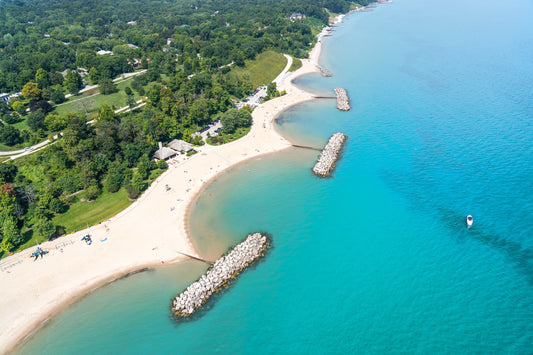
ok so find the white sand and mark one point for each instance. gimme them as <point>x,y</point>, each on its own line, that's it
<point>150,232</point>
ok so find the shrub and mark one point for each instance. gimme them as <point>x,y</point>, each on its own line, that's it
<point>57,206</point>
<point>92,192</point>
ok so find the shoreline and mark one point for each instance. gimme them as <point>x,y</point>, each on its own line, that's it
<point>123,245</point>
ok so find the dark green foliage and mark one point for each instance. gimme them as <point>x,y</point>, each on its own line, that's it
<point>57,95</point>
<point>107,86</point>
<point>133,192</point>
<point>8,172</point>
<point>44,228</point>
<point>233,119</point>
<point>35,120</point>
<point>161,164</point>
<point>73,82</point>
<point>57,206</point>
<point>41,105</point>
<point>116,150</point>
<point>12,118</point>
<point>10,231</point>
<point>92,192</point>
<point>114,177</point>
<point>10,135</point>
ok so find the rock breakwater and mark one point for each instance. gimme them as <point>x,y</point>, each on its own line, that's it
<point>324,72</point>
<point>220,274</point>
<point>329,155</point>
<point>343,103</point>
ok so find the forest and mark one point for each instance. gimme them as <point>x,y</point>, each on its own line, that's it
<point>50,50</point>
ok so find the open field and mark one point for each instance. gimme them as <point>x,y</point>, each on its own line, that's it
<point>83,214</point>
<point>263,69</point>
<point>94,102</point>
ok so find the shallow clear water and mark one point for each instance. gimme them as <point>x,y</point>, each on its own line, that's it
<point>378,258</point>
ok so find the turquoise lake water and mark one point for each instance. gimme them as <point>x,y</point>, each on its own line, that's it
<point>376,259</point>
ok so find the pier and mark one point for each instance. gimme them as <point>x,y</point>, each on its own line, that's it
<point>330,154</point>
<point>220,274</point>
<point>343,103</point>
<point>306,147</point>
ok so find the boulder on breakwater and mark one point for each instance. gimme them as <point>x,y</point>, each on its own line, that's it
<point>324,72</point>
<point>343,103</point>
<point>220,274</point>
<point>329,155</point>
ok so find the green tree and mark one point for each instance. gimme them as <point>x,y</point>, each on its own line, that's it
<point>73,82</point>
<point>130,101</point>
<point>143,167</point>
<point>18,106</point>
<point>114,177</point>
<point>106,113</point>
<point>10,135</point>
<point>42,77</point>
<point>35,120</point>
<point>57,206</point>
<point>92,192</point>
<point>55,123</point>
<point>272,90</point>
<point>144,63</point>
<point>44,228</point>
<point>8,172</point>
<point>233,119</point>
<point>137,182</point>
<point>57,95</point>
<point>107,86</point>
<point>11,232</point>
<point>31,91</point>
<point>93,75</point>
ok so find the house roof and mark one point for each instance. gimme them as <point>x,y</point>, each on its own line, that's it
<point>164,153</point>
<point>180,145</point>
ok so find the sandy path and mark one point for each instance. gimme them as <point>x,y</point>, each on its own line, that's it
<point>150,232</point>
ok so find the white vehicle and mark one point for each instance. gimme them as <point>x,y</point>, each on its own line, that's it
<point>469,220</point>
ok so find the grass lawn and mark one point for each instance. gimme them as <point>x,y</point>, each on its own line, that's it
<point>115,100</point>
<point>83,214</point>
<point>296,64</point>
<point>263,69</point>
<point>6,148</point>
<point>22,125</point>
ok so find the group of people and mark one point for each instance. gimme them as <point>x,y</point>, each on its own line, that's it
<point>38,252</point>
<point>87,239</point>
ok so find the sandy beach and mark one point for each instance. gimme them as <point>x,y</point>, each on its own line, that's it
<point>151,232</point>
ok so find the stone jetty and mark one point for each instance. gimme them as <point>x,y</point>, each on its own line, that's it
<point>329,155</point>
<point>343,103</point>
<point>220,274</point>
<point>324,72</point>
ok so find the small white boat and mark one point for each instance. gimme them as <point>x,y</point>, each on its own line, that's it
<point>469,220</point>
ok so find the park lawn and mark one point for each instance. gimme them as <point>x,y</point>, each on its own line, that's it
<point>263,69</point>
<point>115,100</point>
<point>296,64</point>
<point>83,214</point>
<point>7,148</point>
<point>22,125</point>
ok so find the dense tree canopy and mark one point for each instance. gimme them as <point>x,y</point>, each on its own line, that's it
<point>48,49</point>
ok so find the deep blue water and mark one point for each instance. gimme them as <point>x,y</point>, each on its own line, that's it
<point>376,259</point>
